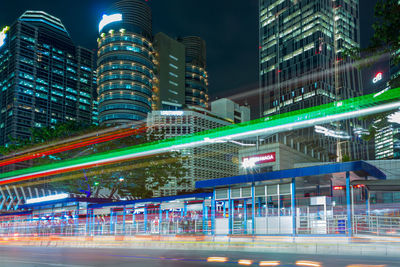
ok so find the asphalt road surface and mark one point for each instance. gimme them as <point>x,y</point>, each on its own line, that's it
<point>79,257</point>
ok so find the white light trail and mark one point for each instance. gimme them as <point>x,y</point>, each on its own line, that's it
<point>47,198</point>
<point>248,134</point>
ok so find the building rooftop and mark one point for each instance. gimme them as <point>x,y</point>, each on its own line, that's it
<point>41,16</point>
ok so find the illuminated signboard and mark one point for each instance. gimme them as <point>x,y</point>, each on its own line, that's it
<point>258,159</point>
<point>172,113</point>
<point>377,77</point>
<point>109,19</point>
<point>3,35</point>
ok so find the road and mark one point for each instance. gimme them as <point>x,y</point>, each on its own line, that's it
<point>82,257</point>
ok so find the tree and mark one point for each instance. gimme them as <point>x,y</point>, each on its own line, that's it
<point>385,41</point>
<point>46,135</point>
<point>386,38</point>
<point>137,178</point>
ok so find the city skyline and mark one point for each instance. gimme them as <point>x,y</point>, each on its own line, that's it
<point>225,33</point>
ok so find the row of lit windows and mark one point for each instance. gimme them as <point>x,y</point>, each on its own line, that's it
<point>126,77</point>
<point>133,67</point>
<point>124,107</point>
<point>125,86</point>
<point>126,97</point>
<point>121,117</point>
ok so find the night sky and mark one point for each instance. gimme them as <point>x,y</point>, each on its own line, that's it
<point>230,29</point>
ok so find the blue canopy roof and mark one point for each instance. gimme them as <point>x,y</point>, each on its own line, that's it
<point>361,167</point>
<point>153,200</point>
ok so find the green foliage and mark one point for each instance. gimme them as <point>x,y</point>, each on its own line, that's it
<point>138,178</point>
<point>385,42</point>
<point>386,38</point>
<point>346,158</point>
<point>46,135</point>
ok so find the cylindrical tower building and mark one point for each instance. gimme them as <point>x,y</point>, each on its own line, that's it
<point>196,74</point>
<point>125,64</point>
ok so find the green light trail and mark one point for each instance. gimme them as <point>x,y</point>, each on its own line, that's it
<point>339,110</point>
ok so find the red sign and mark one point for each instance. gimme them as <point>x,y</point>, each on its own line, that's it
<point>339,187</point>
<point>260,159</point>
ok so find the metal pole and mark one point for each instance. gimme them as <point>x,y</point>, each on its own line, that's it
<point>111,221</point>
<point>294,206</point>
<point>204,217</point>
<point>245,216</point>
<point>348,202</point>
<point>160,220</point>
<point>352,210</point>
<point>213,206</point>
<point>123,220</point>
<point>145,219</point>
<point>229,211</point>
<point>253,210</point>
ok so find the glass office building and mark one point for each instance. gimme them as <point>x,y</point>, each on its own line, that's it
<point>126,63</point>
<point>170,72</point>
<point>302,65</point>
<point>196,74</point>
<point>45,78</point>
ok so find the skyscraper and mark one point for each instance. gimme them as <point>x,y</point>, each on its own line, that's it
<point>126,63</point>
<point>301,65</point>
<point>170,71</point>
<point>44,78</point>
<point>196,74</point>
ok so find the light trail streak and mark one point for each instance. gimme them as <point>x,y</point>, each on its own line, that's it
<point>93,172</point>
<point>70,146</point>
<point>269,263</point>
<point>308,263</point>
<point>245,262</point>
<point>346,109</point>
<point>217,259</point>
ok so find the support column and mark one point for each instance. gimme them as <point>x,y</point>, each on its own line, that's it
<point>111,221</point>
<point>294,206</point>
<point>213,207</point>
<point>123,219</point>
<point>230,211</point>
<point>253,210</point>
<point>204,217</point>
<point>245,216</point>
<point>160,212</point>
<point>145,219</point>
<point>348,203</point>
<point>87,221</point>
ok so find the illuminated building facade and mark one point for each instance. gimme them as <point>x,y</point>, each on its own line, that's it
<point>302,65</point>
<point>126,63</point>
<point>387,142</point>
<point>196,74</point>
<point>203,162</point>
<point>44,78</point>
<point>170,72</point>
<point>230,110</point>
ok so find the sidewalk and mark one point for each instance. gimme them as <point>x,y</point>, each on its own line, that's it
<point>366,245</point>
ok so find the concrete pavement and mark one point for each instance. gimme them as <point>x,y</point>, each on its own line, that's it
<point>357,246</point>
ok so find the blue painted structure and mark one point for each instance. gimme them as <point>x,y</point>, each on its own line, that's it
<point>356,166</point>
<point>208,221</point>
